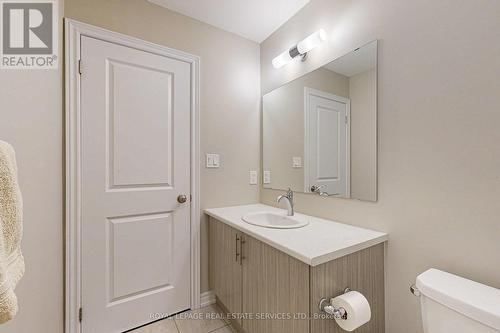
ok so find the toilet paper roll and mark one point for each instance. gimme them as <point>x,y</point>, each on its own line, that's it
<point>357,307</point>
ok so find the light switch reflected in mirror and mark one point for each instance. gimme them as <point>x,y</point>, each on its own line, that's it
<point>320,130</point>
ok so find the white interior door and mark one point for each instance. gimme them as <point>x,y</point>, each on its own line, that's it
<point>135,116</point>
<point>327,142</point>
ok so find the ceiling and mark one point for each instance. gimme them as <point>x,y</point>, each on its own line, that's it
<point>358,61</point>
<point>252,19</point>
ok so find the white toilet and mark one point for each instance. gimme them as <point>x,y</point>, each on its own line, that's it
<point>452,304</point>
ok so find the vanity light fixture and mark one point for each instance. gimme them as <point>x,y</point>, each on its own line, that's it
<point>301,49</point>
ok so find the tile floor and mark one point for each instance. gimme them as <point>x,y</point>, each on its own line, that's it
<point>205,320</point>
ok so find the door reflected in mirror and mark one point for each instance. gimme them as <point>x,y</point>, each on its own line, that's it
<point>320,130</point>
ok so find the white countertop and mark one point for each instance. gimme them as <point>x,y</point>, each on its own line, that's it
<point>318,242</point>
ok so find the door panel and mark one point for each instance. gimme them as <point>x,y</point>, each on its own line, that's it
<point>126,234</point>
<point>140,114</point>
<point>225,266</point>
<point>327,138</point>
<point>328,144</point>
<point>274,283</point>
<point>135,109</point>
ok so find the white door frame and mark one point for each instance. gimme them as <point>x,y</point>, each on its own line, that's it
<point>315,92</point>
<point>74,30</point>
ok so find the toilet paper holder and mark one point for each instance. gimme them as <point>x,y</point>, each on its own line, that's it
<point>326,306</point>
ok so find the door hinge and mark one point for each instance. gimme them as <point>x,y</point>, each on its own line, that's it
<point>80,66</point>
<point>80,315</point>
<point>346,120</point>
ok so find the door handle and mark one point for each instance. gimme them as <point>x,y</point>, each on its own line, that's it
<point>182,198</point>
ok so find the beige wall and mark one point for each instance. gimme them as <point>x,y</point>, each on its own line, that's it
<point>31,120</point>
<point>439,119</point>
<point>283,125</point>
<point>363,95</point>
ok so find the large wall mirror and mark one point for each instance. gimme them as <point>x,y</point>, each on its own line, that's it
<point>320,130</point>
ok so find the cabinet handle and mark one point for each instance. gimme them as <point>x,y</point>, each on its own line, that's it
<point>236,251</point>
<point>242,241</point>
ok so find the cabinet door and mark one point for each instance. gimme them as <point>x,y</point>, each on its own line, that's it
<point>225,275</point>
<point>274,284</point>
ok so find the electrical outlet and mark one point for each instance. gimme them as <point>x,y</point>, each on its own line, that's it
<point>296,162</point>
<point>212,161</point>
<point>253,177</point>
<point>267,177</point>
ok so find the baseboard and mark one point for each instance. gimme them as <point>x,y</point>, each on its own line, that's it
<point>207,298</point>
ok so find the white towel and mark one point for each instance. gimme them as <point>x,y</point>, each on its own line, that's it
<point>11,230</point>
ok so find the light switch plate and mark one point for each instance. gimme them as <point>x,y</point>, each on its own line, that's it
<point>212,161</point>
<point>296,162</point>
<point>253,177</point>
<point>267,177</point>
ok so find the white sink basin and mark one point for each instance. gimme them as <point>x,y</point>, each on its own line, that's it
<point>274,220</point>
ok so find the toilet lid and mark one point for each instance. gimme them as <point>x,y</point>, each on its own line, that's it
<point>472,299</point>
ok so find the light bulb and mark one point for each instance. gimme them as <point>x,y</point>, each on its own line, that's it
<point>312,41</point>
<point>282,59</point>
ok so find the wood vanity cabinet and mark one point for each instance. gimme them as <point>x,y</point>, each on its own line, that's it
<point>226,266</point>
<point>251,277</point>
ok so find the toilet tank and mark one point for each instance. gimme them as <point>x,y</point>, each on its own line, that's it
<point>450,303</point>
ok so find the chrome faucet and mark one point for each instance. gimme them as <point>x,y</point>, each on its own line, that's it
<point>289,201</point>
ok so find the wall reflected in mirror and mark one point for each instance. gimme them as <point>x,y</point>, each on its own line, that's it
<point>320,130</point>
